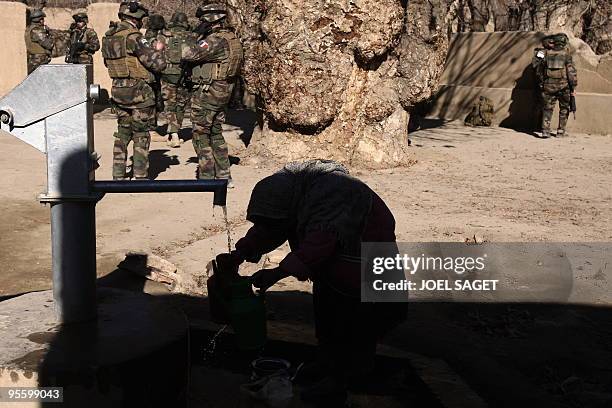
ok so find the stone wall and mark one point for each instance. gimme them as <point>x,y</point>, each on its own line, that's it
<point>12,25</point>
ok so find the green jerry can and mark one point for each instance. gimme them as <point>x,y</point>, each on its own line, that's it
<point>247,313</point>
<point>232,301</point>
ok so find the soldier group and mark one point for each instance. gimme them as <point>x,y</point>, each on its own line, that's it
<point>171,66</point>
<point>170,62</point>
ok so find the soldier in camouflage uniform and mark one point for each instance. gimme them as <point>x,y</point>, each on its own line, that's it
<point>216,58</point>
<point>174,91</point>
<point>83,39</point>
<point>39,42</point>
<point>130,60</point>
<point>557,79</point>
<point>156,23</point>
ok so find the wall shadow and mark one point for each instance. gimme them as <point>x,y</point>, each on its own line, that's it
<point>478,65</point>
<point>524,113</point>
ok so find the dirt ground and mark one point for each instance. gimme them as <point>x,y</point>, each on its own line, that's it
<point>496,184</point>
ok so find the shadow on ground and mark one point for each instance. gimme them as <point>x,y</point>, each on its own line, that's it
<point>511,355</point>
<point>244,119</point>
<point>549,355</point>
<point>160,161</point>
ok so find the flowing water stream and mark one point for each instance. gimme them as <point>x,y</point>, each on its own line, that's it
<point>227,228</point>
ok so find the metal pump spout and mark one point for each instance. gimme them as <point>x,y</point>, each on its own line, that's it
<point>218,187</point>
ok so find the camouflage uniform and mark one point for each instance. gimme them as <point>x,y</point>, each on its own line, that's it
<point>176,97</point>
<point>85,39</point>
<point>130,60</point>
<point>155,25</point>
<point>217,60</point>
<point>174,91</point>
<point>556,74</point>
<point>39,42</point>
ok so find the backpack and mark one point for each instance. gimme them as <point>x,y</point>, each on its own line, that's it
<point>482,113</point>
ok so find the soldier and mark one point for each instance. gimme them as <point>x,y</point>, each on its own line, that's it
<point>173,88</point>
<point>39,42</point>
<point>216,60</point>
<point>130,59</point>
<point>155,25</point>
<point>557,79</point>
<point>84,41</point>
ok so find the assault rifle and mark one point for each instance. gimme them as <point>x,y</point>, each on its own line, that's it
<point>159,98</point>
<point>572,101</point>
<point>75,46</point>
<point>185,78</point>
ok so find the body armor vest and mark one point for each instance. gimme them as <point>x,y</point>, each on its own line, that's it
<point>32,46</point>
<point>122,65</point>
<point>223,70</point>
<point>174,45</point>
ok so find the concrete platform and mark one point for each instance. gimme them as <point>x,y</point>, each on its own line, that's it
<point>135,354</point>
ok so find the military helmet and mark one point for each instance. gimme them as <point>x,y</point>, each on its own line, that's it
<point>133,9</point>
<point>78,17</point>
<point>180,19</point>
<point>555,41</point>
<point>211,13</point>
<point>36,15</point>
<point>156,22</point>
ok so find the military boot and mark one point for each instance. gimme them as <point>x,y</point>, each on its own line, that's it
<point>561,133</point>
<point>545,133</point>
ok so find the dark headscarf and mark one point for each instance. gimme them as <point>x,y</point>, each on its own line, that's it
<point>315,195</point>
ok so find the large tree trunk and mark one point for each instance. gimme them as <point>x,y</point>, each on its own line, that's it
<point>335,79</point>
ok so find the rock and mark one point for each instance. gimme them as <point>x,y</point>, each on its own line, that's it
<point>275,257</point>
<point>476,239</point>
<point>335,78</point>
<point>151,267</point>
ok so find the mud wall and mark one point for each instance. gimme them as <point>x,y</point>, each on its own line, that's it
<point>497,65</point>
<point>13,66</point>
<point>12,25</point>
